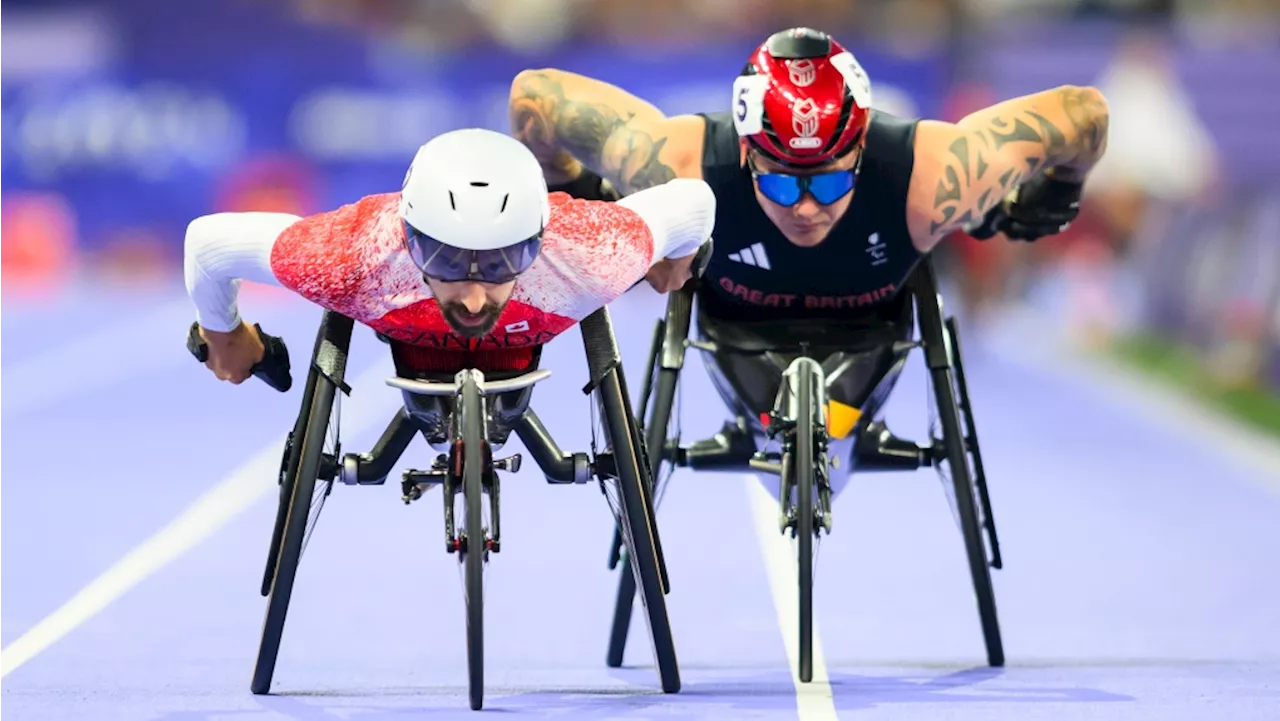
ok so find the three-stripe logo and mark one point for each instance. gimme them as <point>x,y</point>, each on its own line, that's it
<point>752,255</point>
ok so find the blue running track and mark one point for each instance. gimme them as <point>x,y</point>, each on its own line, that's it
<point>1142,575</point>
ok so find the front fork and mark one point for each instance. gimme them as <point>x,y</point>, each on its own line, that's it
<point>785,424</point>
<point>446,471</point>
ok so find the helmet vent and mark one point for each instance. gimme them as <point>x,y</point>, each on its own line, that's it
<point>479,184</point>
<point>798,43</point>
<point>505,198</point>
<point>452,204</point>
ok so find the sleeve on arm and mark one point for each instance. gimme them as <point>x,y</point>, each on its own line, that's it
<point>680,213</point>
<point>221,250</point>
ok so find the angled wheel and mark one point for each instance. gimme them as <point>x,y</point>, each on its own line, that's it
<point>660,386</point>
<point>288,469</point>
<point>632,502</point>
<point>640,538</point>
<point>975,450</point>
<point>954,456</point>
<point>662,375</point>
<point>952,453</point>
<point>303,469</point>
<point>305,462</point>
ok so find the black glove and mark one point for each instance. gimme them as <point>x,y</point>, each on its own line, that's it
<point>1039,207</point>
<point>588,186</point>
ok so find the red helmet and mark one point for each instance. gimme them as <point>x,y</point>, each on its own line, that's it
<point>802,99</point>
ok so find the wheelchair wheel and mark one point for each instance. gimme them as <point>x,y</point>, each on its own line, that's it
<point>288,469</point>
<point>798,469</point>
<point>635,516</point>
<point>658,421</point>
<point>632,503</point>
<point>305,465</point>
<point>473,549</point>
<point>956,456</point>
<point>975,450</point>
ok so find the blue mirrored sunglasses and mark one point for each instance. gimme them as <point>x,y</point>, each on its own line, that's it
<point>826,188</point>
<point>450,264</point>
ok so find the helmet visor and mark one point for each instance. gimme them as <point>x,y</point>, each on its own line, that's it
<point>451,264</point>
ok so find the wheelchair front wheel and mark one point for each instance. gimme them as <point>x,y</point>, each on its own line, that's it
<point>798,459</point>
<point>474,547</point>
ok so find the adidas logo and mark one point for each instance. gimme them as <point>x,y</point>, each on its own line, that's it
<point>753,255</point>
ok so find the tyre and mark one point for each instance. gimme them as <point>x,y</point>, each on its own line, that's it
<point>655,431</point>
<point>956,457</point>
<point>300,486</point>
<point>638,528</point>
<point>798,460</point>
<point>473,550</point>
<point>288,469</point>
<point>987,518</point>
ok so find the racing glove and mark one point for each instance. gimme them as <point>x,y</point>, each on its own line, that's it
<point>588,186</point>
<point>1039,207</point>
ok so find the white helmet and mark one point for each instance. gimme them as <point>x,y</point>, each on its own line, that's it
<point>474,205</point>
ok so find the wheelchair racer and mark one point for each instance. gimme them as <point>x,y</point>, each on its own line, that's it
<point>473,262</point>
<point>824,205</point>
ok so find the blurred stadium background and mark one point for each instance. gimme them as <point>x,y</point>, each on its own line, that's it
<point>124,120</point>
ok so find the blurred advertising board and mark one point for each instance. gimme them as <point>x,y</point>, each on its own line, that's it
<point>200,106</point>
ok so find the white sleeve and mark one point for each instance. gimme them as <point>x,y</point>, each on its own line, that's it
<point>681,213</point>
<point>221,250</point>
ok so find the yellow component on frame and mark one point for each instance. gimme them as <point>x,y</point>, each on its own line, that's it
<point>841,419</point>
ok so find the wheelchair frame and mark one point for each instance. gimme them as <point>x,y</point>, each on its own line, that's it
<point>958,448</point>
<point>490,410</point>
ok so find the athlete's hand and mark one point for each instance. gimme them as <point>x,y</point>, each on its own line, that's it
<point>1039,207</point>
<point>232,355</point>
<point>670,274</point>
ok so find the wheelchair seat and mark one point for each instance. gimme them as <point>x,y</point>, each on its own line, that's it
<point>440,365</point>
<point>858,353</point>
<point>856,333</point>
<point>432,412</point>
<point>819,338</point>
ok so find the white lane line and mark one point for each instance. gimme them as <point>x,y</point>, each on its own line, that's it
<point>1165,406</point>
<point>216,508</point>
<point>814,701</point>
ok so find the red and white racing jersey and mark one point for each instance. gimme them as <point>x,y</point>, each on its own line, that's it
<point>353,260</point>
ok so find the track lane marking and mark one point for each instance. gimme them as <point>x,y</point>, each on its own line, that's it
<point>814,700</point>
<point>213,510</point>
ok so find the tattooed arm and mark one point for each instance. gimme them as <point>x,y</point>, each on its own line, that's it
<point>571,121</point>
<point>963,170</point>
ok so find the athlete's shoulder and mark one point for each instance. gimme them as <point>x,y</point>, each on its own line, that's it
<point>330,253</point>
<point>890,150</point>
<point>889,134</point>
<point>590,223</point>
<point>592,252</point>
<point>357,218</point>
<point>720,147</point>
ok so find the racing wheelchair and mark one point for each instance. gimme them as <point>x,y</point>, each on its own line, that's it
<point>780,393</point>
<point>465,415</point>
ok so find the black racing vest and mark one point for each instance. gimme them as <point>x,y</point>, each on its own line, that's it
<point>757,274</point>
